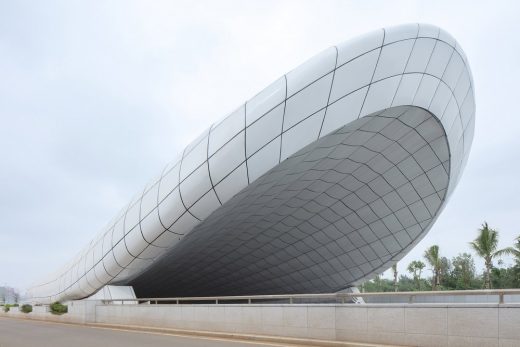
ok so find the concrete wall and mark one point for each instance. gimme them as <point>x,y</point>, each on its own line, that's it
<point>442,299</point>
<point>401,324</point>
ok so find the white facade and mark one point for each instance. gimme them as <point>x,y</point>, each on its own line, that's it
<point>330,174</point>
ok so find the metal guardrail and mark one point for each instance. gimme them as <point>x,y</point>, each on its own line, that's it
<point>341,297</point>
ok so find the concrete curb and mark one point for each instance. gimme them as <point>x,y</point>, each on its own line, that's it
<point>243,337</point>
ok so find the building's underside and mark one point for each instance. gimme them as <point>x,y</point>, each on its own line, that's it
<point>337,210</point>
<point>325,178</point>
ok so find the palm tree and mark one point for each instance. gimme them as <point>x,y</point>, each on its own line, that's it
<point>485,245</point>
<point>432,257</point>
<point>515,251</point>
<point>394,270</point>
<point>415,268</point>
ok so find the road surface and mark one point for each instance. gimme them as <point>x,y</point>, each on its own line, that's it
<point>27,333</point>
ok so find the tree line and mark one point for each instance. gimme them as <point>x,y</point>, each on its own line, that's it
<point>459,273</point>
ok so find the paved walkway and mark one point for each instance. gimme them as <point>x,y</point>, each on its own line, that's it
<point>26,333</point>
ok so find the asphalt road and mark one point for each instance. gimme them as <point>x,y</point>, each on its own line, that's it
<point>25,333</point>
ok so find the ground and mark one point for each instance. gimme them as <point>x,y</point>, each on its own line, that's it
<point>26,333</point>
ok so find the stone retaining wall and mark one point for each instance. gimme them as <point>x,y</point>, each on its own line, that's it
<point>401,324</point>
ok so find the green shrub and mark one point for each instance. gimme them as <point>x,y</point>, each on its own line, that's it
<point>26,308</point>
<point>58,308</point>
<point>7,307</point>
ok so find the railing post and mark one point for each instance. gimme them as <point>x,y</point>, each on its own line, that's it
<point>410,299</point>
<point>216,301</point>
<point>177,301</point>
<point>290,300</point>
<point>249,301</point>
<point>501,298</point>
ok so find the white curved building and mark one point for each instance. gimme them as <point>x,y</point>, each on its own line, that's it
<point>326,177</point>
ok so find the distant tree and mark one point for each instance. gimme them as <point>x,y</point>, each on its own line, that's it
<point>415,268</point>
<point>406,284</point>
<point>445,270</point>
<point>485,245</point>
<point>515,251</point>
<point>433,258</point>
<point>377,281</point>
<point>394,271</point>
<point>378,284</point>
<point>463,271</point>
<point>504,277</point>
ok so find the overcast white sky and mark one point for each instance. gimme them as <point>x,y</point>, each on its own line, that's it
<point>96,97</point>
